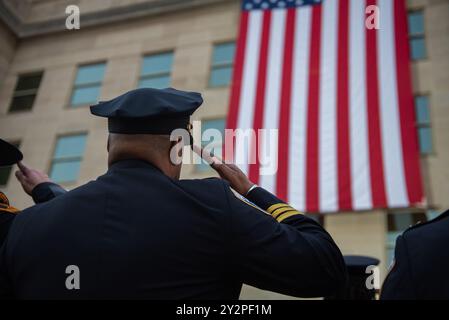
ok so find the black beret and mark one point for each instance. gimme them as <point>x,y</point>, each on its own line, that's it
<point>149,111</point>
<point>9,154</point>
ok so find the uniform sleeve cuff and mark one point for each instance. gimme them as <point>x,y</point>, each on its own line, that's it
<point>46,191</point>
<point>271,204</point>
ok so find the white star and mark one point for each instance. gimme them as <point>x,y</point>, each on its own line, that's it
<point>281,4</point>
<point>265,5</point>
<point>248,6</point>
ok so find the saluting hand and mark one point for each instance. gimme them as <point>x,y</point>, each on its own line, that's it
<point>29,178</point>
<point>227,171</point>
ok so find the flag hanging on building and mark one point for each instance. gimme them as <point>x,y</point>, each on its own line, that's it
<point>339,94</point>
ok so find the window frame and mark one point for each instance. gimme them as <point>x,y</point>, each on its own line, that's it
<point>67,159</point>
<point>422,125</point>
<point>156,75</point>
<point>197,166</point>
<point>417,36</point>
<point>26,92</point>
<point>75,86</point>
<point>214,66</point>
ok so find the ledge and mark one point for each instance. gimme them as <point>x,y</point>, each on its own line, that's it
<point>119,14</point>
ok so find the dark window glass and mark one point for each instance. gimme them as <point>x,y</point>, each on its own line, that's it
<point>25,92</point>
<point>222,65</point>
<point>67,158</point>
<point>210,129</point>
<point>156,71</point>
<point>417,35</point>
<point>88,84</point>
<point>423,124</point>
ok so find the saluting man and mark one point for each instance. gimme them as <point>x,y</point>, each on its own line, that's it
<point>138,231</point>
<point>34,182</point>
<point>9,155</point>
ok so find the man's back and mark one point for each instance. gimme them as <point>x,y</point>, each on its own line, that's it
<point>421,263</point>
<point>135,233</point>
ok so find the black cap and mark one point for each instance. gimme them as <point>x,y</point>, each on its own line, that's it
<point>149,111</point>
<point>357,289</point>
<point>357,265</point>
<point>9,154</point>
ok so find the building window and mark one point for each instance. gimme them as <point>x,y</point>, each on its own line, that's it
<point>88,82</point>
<point>5,172</point>
<point>212,133</point>
<point>25,92</point>
<point>424,124</point>
<point>397,224</point>
<point>67,158</point>
<point>222,64</point>
<point>156,71</point>
<point>416,35</point>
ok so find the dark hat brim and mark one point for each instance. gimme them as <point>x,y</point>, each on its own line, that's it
<point>9,154</point>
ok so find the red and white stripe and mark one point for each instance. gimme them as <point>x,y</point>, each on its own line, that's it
<point>340,97</point>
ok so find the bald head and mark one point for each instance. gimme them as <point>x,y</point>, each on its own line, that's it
<point>154,149</point>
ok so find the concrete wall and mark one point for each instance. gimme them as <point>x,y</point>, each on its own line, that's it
<point>7,49</point>
<point>192,35</point>
<point>431,76</point>
<point>122,47</point>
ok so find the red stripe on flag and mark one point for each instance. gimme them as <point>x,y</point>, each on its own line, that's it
<point>236,84</point>
<point>410,149</point>
<point>343,140</point>
<point>375,142</point>
<point>312,158</point>
<point>285,107</point>
<point>260,94</point>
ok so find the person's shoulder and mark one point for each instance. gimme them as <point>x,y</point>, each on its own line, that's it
<point>428,227</point>
<point>444,217</point>
<point>208,186</point>
<point>67,199</point>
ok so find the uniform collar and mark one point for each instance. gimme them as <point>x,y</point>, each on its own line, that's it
<point>133,163</point>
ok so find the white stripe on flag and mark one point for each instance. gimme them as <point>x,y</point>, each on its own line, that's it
<point>327,126</point>
<point>298,119</point>
<point>360,170</point>
<point>273,87</point>
<point>389,113</point>
<point>246,109</point>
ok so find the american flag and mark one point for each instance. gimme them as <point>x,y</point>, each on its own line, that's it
<point>340,95</point>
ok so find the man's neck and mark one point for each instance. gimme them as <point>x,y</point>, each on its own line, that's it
<point>160,164</point>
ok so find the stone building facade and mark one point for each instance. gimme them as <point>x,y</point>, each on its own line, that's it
<point>119,34</point>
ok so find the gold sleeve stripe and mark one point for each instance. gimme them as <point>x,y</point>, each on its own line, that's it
<point>276,206</point>
<point>288,215</point>
<point>9,210</point>
<point>280,211</point>
<point>4,199</point>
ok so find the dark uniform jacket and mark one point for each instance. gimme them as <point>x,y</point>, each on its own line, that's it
<point>421,263</point>
<point>42,193</point>
<point>136,233</point>
<point>7,214</point>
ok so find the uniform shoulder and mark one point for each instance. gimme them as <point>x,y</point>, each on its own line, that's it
<point>423,226</point>
<point>213,190</point>
<point>64,200</point>
<point>215,183</point>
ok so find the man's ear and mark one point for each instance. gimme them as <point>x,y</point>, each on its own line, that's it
<point>176,151</point>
